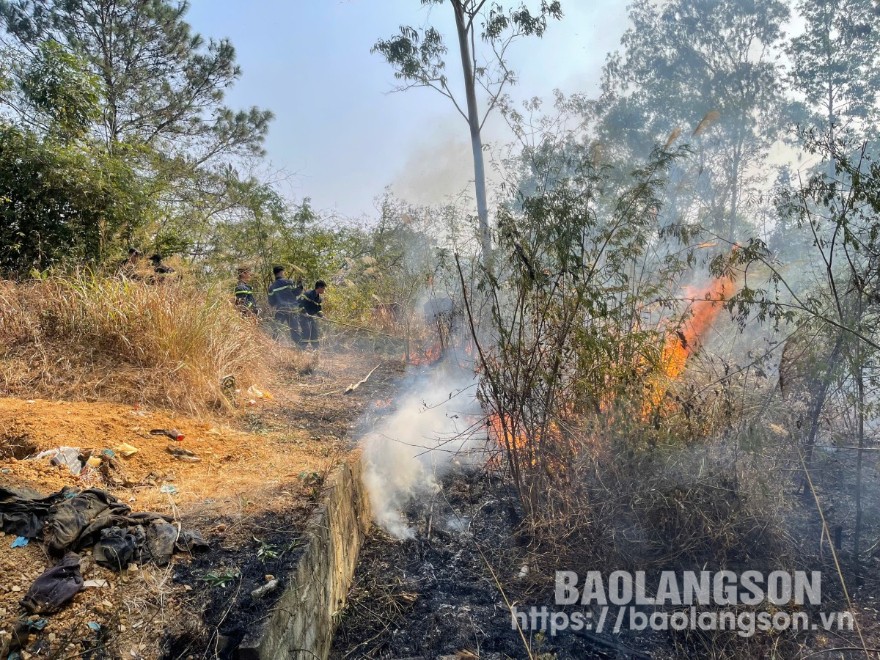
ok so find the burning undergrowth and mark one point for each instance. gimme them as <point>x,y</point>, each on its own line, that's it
<point>470,552</point>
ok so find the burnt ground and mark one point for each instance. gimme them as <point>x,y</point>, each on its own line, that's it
<point>219,583</point>
<point>445,592</point>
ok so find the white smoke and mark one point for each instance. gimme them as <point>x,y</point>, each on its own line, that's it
<point>432,431</point>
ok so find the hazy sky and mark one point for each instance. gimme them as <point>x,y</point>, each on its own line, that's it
<point>339,134</point>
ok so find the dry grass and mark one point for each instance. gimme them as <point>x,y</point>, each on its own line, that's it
<point>93,337</point>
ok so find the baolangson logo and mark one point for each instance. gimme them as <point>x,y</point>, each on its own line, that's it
<point>721,588</point>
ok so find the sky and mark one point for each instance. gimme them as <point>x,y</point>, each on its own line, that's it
<point>341,135</point>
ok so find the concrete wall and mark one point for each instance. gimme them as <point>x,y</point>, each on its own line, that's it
<point>302,623</point>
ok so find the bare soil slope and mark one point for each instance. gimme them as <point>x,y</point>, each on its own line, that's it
<point>258,475</point>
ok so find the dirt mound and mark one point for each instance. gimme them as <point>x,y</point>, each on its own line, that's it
<point>231,463</point>
<point>259,473</point>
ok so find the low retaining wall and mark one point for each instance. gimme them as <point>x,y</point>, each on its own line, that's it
<point>302,623</point>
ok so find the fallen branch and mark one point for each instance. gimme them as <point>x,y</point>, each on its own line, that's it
<point>352,388</point>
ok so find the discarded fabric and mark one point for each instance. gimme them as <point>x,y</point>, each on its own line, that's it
<point>23,512</point>
<point>117,547</point>
<point>54,588</point>
<point>71,520</point>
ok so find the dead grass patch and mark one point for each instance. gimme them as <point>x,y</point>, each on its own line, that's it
<point>90,337</point>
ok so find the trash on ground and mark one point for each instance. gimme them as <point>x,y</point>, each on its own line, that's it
<point>54,588</point>
<point>94,625</point>
<point>111,469</point>
<point>95,584</point>
<point>182,454</point>
<point>117,547</point>
<point>161,539</point>
<point>20,542</point>
<point>69,457</point>
<point>191,541</point>
<point>168,488</point>
<point>72,520</point>
<point>125,450</point>
<point>259,592</point>
<point>174,434</point>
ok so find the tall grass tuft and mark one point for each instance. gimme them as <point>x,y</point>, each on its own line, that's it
<point>94,337</point>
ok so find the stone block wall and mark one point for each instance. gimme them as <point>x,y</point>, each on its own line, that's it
<point>303,621</point>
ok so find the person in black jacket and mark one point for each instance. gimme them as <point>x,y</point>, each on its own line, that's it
<point>244,293</point>
<point>161,272</point>
<point>311,302</point>
<point>284,299</point>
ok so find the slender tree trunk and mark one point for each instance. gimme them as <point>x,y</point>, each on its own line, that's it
<point>474,124</point>
<point>830,110</point>
<point>734,204</point>
<point>819,394</point>
<point>860,384</point>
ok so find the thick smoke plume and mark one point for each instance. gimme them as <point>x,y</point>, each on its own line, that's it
<point>435,428</point>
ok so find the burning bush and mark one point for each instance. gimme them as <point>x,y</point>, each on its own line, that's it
<point>89,336</point>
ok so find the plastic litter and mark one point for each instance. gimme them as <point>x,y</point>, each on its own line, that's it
<point>66,456</point>
<point>125,450</point>
<point>20,542</point>
<point>168,488</point>
<point>94,625</point>
<point>95,584</point>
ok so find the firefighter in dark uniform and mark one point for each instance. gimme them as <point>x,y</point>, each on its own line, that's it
<point>310,303</point>
<point>284,299</point>
<point>244,293</point>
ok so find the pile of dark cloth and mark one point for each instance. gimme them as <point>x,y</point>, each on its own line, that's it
<point>69,521</point>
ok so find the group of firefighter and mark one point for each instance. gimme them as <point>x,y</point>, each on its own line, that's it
<point>292,306</point>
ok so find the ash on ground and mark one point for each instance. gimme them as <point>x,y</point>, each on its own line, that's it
<point>440,593</point>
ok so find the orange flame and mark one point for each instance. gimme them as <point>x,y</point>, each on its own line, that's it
<point>505,437</point>
<point>427,357</point>
<point>707,304</point>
